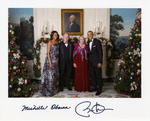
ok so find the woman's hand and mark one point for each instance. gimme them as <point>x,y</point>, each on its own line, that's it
<point>74,64</point>
<point>50,66</point>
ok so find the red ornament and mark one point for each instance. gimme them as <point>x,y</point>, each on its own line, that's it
<point>30,84</point>
<point>120,67</point>
<point>28,80</point>
<point>11,62</point>
<point>14,44</point>
<point>24,87</point>
<point>139,24</point>
<point>25,61</point>
<point>25,69</point>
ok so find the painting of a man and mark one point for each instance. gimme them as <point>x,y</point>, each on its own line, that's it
<point>73,26</point>
<point>72,21</point>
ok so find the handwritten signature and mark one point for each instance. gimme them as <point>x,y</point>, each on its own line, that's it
<point>84,108</point>
<point>34,107</point>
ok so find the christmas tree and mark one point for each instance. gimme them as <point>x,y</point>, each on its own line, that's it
<point>128,79</point>
<point>19,75</point>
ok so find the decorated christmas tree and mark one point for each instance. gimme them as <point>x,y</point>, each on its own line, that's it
<point>128,79</point>
<point>18,74</point>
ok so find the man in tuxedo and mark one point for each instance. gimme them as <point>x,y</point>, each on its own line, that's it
<point>66,62</point>
<point>73,26</point>
<point>95,63</point>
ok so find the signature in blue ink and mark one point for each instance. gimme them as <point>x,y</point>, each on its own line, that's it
<point>54,106</point>
<point>34,107</point>
<point>83,109</point>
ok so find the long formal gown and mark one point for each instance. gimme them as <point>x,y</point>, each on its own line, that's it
<point>82,82</point>
<point>50,77</point>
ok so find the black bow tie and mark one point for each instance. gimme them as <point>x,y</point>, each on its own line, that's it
<point>90,40</point>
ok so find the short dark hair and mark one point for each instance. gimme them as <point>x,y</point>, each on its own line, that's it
<point>52,34</point>
<point>90,31</point>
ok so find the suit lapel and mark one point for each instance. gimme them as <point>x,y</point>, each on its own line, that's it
<point>93,44</point>
<point>69,46</point>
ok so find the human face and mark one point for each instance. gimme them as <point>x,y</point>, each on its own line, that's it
<point>81,40</point>
<point>55,36</point>
<point>66,37</point>
<point>90,35</point>
<point>71,19</point>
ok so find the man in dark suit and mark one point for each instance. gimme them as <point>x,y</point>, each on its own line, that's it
<point>73,26</point>
<point>95,62</point>
<point>66,62</point>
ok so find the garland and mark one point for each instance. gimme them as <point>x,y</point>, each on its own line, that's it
<point>37,63</point>
<point>36,54</point>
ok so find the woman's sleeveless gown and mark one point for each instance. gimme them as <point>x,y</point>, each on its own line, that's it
<point>50,77</point>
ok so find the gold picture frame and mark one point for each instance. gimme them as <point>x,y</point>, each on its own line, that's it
<point>75,27</point>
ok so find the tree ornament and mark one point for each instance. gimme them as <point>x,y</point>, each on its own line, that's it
<point>138,71</point>
<point>11,79</point>
<point>122,70</point>
<point>14,67</point>
<point>19,89</point>
<point>25,81</point>
<point>21,81</point>
<point>138,64</point>
<point>23,62</point>
<point>25,69</point>
<point>16,55</point>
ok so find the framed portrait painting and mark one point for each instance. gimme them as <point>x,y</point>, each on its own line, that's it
<point>72,21</point>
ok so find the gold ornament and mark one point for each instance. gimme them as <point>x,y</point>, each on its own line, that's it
<point>14,38</point>
<point>133,28</point>
<point>138,64</point>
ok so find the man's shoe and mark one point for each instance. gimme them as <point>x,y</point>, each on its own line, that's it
<point>61,89</point>
<point>98,93</point>
<point>69,88</point>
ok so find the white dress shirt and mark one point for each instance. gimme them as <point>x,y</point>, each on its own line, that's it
<point>91,45</point>
<point>66,45</point>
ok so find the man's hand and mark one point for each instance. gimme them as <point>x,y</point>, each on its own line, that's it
<point>99,65</point>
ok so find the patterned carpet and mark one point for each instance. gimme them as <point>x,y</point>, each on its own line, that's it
<point>108,92</point>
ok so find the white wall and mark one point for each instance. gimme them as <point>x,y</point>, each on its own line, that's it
<point>53,16</point>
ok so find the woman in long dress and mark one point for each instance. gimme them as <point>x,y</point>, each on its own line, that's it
<point>50,76</point>
<point>80,63</point>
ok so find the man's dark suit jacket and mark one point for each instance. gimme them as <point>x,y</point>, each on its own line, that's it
<point>74,28</point>
<point>62,56</point>
<point>96,54</point>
